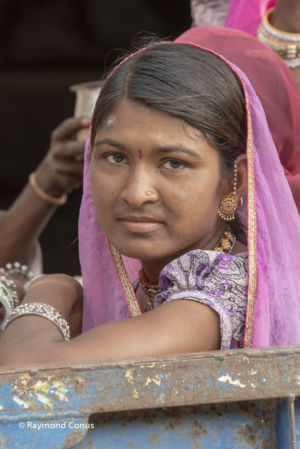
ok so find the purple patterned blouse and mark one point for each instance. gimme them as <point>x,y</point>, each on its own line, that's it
<point>215,279</point>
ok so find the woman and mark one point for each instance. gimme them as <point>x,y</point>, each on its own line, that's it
<point>178,140</point>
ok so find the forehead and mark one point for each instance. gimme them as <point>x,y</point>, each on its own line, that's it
<point>134,122</point>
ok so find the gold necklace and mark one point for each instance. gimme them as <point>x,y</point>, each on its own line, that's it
<point>225,245</point>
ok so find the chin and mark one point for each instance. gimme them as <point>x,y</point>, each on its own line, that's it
<point>139,250</point>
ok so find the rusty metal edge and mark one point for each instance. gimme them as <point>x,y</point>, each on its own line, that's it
<point>178,380</point>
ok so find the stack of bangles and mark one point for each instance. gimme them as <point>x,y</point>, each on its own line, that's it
<point>42,310</point>
<point>8,290</point>
<point>286,45</point>
<point>44,195</point>
<point>10,300</point>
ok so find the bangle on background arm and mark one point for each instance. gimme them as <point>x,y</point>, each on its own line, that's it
<point>45,196</point>
<point>8,295</point>
<point>42,310</point>
<point>286,45</point>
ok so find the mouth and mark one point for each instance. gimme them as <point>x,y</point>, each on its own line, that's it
<point>140,225</point>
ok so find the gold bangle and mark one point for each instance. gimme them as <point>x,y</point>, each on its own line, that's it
<point>45,196</point>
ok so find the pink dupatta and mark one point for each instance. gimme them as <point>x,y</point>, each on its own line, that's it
<point>273,306</point>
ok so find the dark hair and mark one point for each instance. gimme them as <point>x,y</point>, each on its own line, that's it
<point>189,83</point>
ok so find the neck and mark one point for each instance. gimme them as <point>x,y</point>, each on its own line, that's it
<point>152,268</point>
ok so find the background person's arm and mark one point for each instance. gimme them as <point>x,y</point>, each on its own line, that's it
<point>286,17</point>
<point>59,172</point>
<point>176,327</point>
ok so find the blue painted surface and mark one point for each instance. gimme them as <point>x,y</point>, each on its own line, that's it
<point>222,400</point>
<point>41,434</point>
<point>222,426</point>
<point>297,421</point>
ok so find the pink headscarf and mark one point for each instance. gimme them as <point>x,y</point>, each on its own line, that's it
<point>273,306</point>
<point>273,82</point>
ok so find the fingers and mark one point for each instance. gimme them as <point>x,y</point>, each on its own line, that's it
<point>71,150</point>
<point>69,127</point>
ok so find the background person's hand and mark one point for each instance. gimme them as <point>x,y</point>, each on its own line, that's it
<point>61,169</point>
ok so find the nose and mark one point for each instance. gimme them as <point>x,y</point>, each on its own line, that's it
<point>139,188</point>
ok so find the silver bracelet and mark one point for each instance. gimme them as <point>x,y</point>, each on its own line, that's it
<point>42,310</point>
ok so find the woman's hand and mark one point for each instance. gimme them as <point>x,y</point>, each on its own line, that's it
<point>60,291</point>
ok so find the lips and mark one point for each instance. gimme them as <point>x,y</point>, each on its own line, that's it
<point>140,225</point>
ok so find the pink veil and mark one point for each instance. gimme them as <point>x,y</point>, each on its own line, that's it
<point>273,82</point>
<point>273,307</point>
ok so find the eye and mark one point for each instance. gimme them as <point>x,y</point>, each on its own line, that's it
<point>115,158</point>
<point>174,164</point>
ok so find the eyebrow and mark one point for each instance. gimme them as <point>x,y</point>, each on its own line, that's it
<point>111,142</point>
<point>179,149</point>
<point>172,149</point>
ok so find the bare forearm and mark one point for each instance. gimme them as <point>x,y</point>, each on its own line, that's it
<point>22,224</point>
<point>286,17</point>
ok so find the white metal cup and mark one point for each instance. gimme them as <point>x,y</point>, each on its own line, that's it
<point>86,97</point>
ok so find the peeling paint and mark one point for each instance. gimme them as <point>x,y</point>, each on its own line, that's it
<point>129,376</point>
<point>135,394</point>
<point>44,392</point>
<point>253,385</point>
<point>161,398</point>
<point>253,372</point>
<point>156,380</point>
<point>20,402</point>
<point>227,379</point>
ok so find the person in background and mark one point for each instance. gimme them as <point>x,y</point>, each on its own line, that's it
<point>58,174</point>
<point>275,22</point>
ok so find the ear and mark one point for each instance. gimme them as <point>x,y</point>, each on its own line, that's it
<point>242,179</point>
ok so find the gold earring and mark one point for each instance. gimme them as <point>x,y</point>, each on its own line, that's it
<point>228,205</point>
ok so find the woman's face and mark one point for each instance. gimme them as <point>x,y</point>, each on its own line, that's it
<point>155,184</point>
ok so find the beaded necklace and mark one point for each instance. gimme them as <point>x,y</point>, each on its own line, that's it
<point>224,245</point>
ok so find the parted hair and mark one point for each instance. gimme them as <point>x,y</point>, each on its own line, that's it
<point>188,83</point>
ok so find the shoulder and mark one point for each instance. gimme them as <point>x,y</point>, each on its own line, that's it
<point>199,267</point>
<point>214,279</point>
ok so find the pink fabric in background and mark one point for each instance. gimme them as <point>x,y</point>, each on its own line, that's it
<point>246,15</point>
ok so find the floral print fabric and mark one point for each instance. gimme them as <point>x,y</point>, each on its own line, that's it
<point>215,279</point>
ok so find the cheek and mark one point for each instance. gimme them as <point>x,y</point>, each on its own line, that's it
<point>103,193</point>
<point>194,199</point>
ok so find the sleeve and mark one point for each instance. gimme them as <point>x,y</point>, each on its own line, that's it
<point>215,279</point>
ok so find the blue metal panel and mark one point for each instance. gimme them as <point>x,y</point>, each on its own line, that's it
<point>297,421</point>
<point>232,399</point>
<point>222,426</point>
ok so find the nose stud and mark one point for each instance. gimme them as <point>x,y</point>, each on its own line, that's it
<point>148,193</point>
